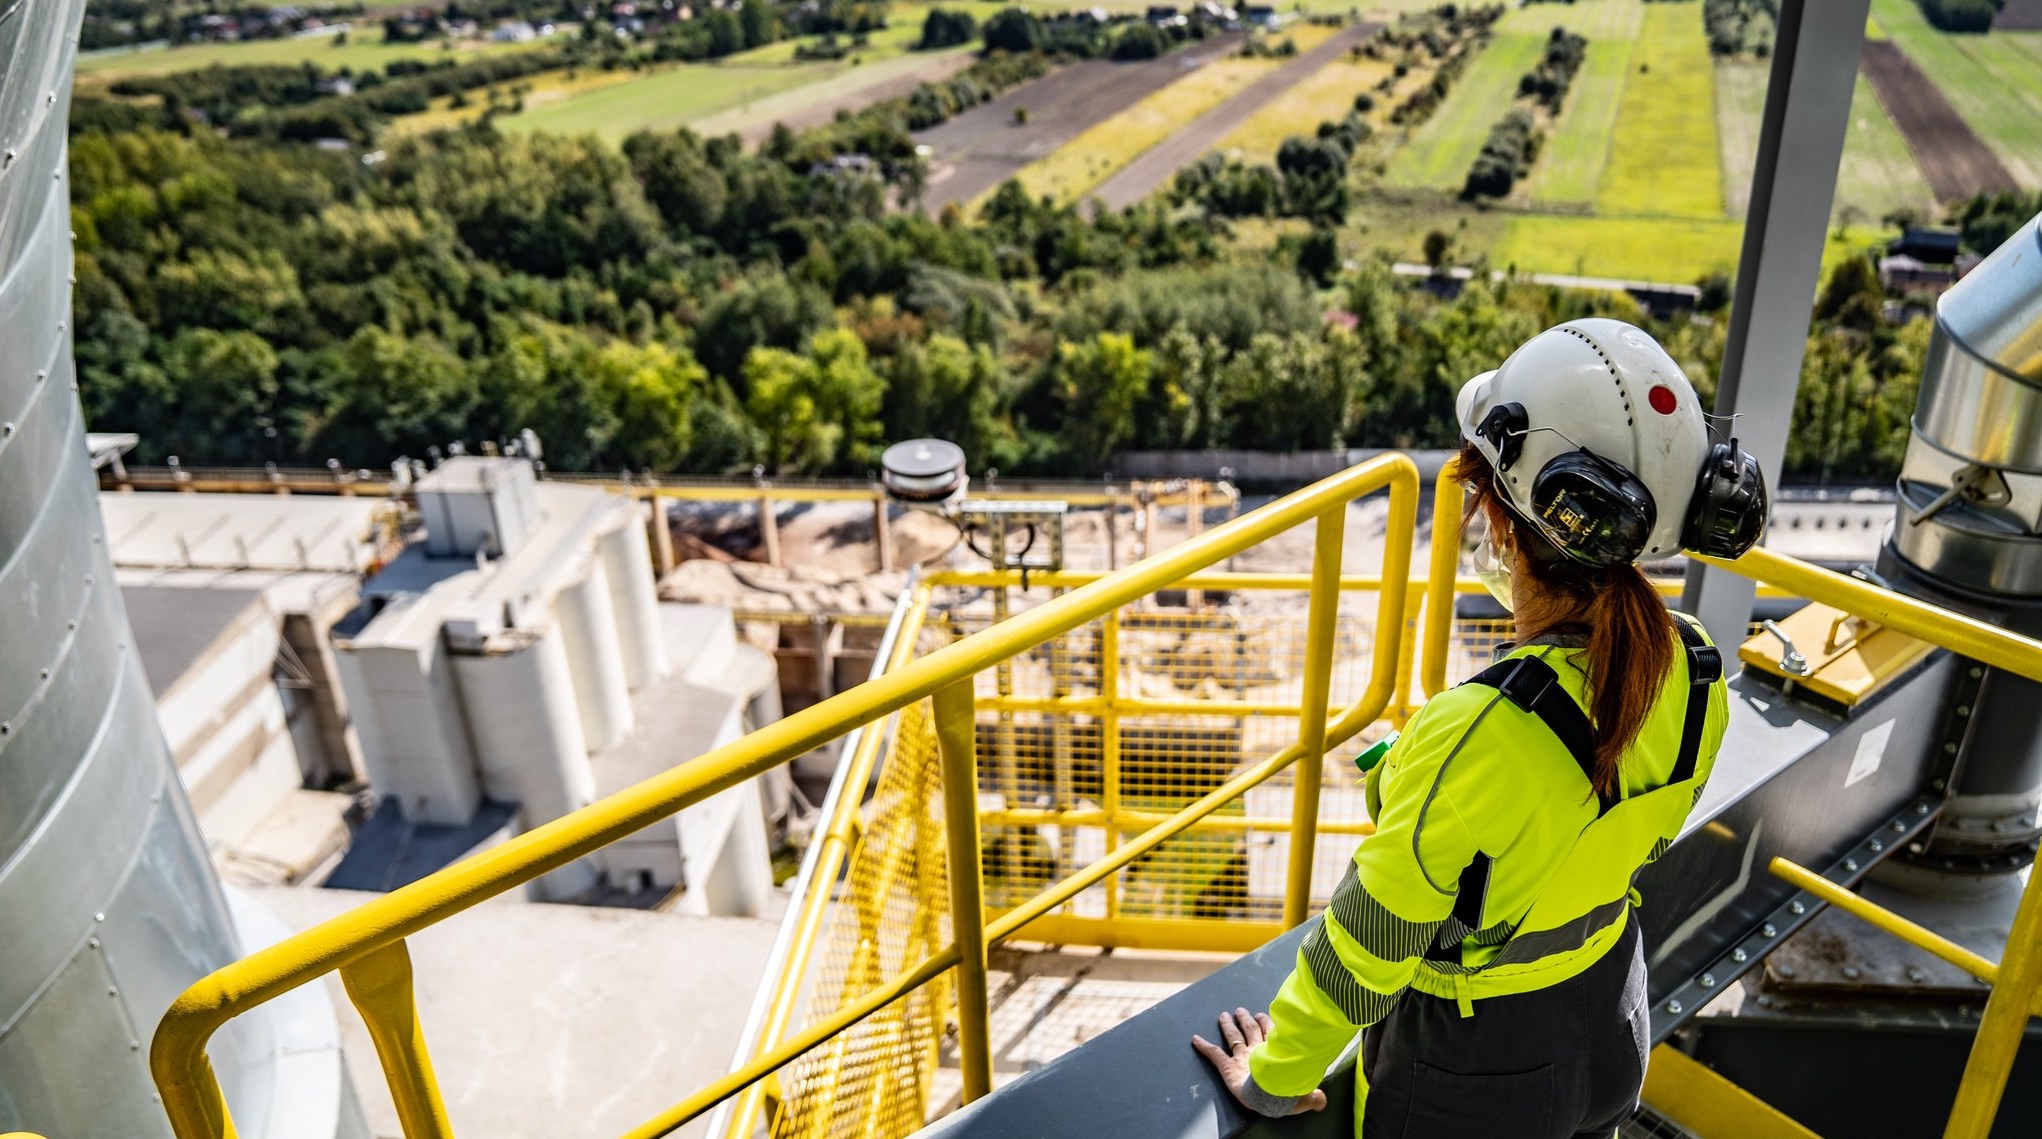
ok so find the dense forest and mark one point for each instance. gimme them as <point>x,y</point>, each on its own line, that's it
<point>683,304</point>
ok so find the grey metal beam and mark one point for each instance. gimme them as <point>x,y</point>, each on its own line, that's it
<point>1807,114</point>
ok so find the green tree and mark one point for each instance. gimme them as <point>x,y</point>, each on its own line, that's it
<point>1100,382</point>
<point>815,409</point>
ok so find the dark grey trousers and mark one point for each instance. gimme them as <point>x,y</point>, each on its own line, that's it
<point>1562,1063</point>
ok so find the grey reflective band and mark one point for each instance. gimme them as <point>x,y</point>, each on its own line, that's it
<point>1361,1005</point>
<point>1528,947</point>
<point>1373,926</point>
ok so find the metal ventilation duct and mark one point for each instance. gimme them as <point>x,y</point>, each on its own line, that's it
<point>108,906</point>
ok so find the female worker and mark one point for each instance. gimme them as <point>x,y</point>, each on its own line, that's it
<point>1483,935</point>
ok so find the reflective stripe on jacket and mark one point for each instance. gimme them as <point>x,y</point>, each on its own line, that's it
<point>1481,795</point>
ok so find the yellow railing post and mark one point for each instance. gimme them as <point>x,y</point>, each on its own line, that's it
<point>2004,1024</point>
<point>379,984</point>
<point>956,717</point>
<point>1439,585</point>
<point>1321,631</point>
<point>1109,747</point>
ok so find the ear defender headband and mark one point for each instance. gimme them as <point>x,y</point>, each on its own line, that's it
<point>1599,514</point>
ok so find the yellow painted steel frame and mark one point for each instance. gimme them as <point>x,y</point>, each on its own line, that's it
<point>366,944</point>
<point>1694,1096</point>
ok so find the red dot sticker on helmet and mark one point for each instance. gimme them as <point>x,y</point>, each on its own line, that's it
<point>1662,398</point>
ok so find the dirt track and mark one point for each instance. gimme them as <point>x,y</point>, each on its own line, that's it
<point>983,147</point>
<point>1955,161</point>
<point>1147,173</point>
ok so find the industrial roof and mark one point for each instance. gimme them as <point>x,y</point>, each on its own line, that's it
<point>176,628</point>
<point>240,531</point>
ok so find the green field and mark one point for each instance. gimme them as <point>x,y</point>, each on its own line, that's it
<point>1994,81</point>
<point>1663,157</point>
<point>1571,167</point>
<point>1877,174</point>
<point>1740,109</point>
<point>364,51</point>
<point>1596,19</point>
<point>902,32</point>
<point>1439,154</point>
<point>1642,249</point>
<point>665,99</point>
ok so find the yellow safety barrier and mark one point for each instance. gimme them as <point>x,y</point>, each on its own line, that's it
<point>367,945</point>
<point>2016,982</point>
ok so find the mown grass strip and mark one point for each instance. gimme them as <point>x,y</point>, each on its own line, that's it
<point>1439,155</point>
<point>1663,153</point>
<point>364,50</point>
<point>1571,167</point>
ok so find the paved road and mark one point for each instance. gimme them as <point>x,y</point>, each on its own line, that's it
<point>1155,166</point>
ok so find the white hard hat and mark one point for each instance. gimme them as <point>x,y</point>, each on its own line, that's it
<point>1598,439</point>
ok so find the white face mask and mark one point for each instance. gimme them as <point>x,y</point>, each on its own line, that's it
<point>1489,560</point>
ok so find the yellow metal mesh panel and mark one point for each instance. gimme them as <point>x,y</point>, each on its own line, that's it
<point>1081,748</point>
<point>872,1081</point>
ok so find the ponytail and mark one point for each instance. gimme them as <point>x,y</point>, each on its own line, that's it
<point>1630,649</point>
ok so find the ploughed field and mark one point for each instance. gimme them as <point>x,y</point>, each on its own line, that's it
<point>1955,160</point>
<point>979,149</point>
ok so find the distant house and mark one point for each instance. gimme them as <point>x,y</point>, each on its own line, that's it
<point>1901,273</point>
<point>1259,16</point>
<point>1930,244</point>
<point>1165,16</point>
<point>514,32</point>
<point>337,85</point>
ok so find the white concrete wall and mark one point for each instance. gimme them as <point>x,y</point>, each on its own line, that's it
<point>413,739</point>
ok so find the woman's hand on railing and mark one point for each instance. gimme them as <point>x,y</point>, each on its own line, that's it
<point>1242,1031</point>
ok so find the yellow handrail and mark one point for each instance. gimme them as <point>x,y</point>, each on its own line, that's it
<point>191,1094</point>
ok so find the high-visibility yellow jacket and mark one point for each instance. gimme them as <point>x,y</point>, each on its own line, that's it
<point>1475,783</point>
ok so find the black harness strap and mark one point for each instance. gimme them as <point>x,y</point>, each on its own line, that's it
<point>1468,900</point>
<point>1704,668</point>
<point>1531,684</point>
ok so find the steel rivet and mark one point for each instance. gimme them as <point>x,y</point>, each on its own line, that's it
<point>1977,672</point>
<point>93,942</point>
<point>112,991</point>
<point>1963,709</point>
<point>6,428</point>
<point>134,1046</point>
<point>1949,749</point>
<point>1708,980</point>
<point>6,726</point>
<point>1768,930</point>
<point>1876,846</point>
<point>1923,808</point>
<point>1899,827</point>
<point>88,579</point>
<point>46,674</point>
<point>70,625</point>
<point>60,326</point>
<point>1739,954</point>
<point>41,376</point>
<point>1917,974</point>
<point>1848,864</point>
<point>1765,1000</point>
<point>1798,908</point>
<point>1852,973</point>
<point>1786,971</point>
<point>10,156</point>
<point>98,917</point>
<point>1673,1007</point>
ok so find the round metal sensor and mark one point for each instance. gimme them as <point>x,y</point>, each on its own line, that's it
<point>923,470</point>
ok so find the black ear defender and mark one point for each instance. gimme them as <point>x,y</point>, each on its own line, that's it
<point>1597,512</point>
<point>1730,506</point>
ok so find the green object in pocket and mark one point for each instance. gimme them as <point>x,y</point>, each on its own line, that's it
<point>1374,753</point>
